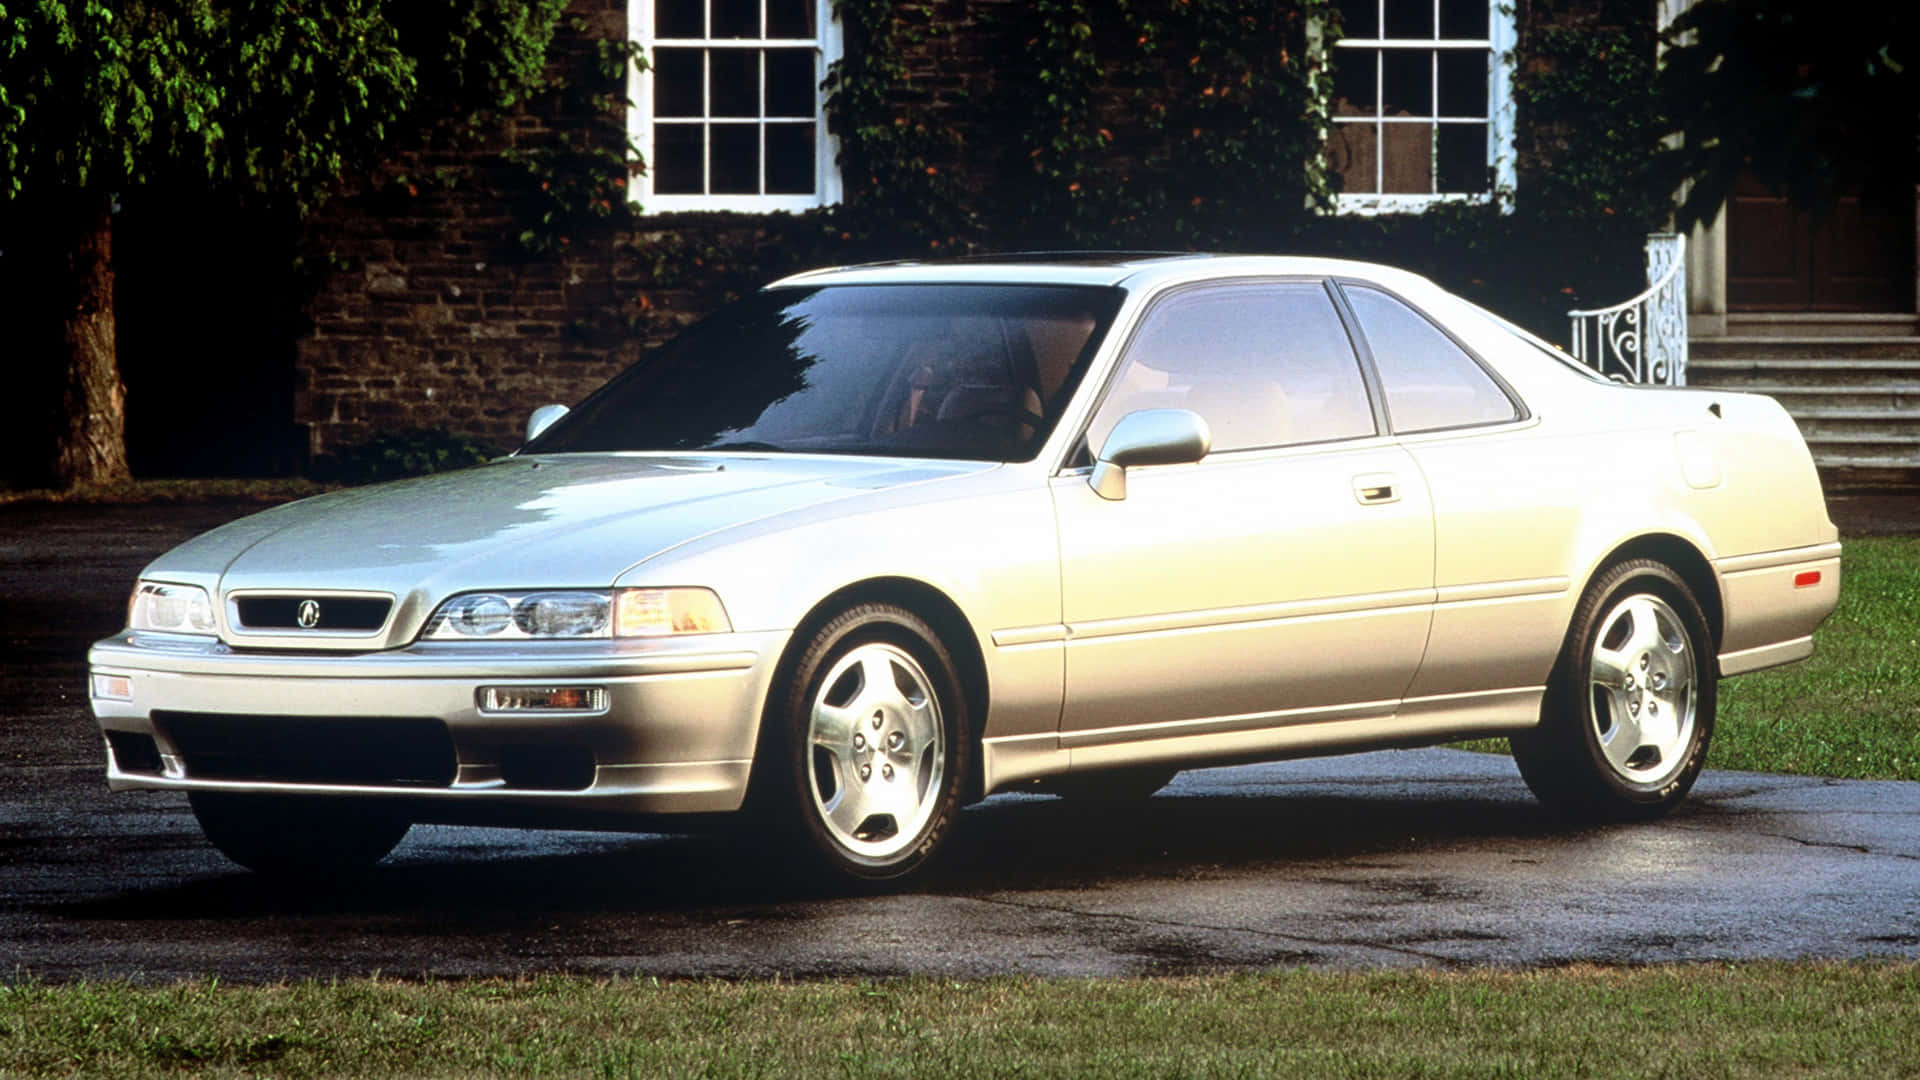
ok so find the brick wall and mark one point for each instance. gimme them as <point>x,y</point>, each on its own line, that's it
<point>432,314</point>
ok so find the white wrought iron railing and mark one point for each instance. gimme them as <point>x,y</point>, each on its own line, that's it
<point>1642,340</point>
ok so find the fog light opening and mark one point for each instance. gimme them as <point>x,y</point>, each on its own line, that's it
<point>134,752</point>
<point>542,699</point>
<point>547,768</point>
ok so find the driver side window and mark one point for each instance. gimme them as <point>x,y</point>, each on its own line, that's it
<point>1265,365</point>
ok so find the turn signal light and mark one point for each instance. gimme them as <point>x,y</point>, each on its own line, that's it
<point>113,687</point>
<point>522,699</point>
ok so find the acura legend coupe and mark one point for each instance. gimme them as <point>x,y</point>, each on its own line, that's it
<point>876,542</point>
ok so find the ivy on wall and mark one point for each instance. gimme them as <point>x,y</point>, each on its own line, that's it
<point>1181,125</point>
<point>1184,125</point>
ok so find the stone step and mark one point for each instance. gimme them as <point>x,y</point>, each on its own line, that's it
<point>1883,452</point>
<point>1766,376</point>
<point>1761,347</point>
<point>1901,399</point>
<point>1906,464</point>
<point>1858,425</point>
<point>1823,324</point>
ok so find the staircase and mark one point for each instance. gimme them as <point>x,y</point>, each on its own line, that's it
<point>1851,381</point>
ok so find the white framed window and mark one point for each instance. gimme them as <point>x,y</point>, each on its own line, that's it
<point>1423,103</point>
<point>728,112</point>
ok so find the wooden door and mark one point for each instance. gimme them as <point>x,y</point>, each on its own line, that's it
<point>1857,257</point>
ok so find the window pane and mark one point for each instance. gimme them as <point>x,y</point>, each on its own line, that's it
<point>1462,156</point>
<point>1353,151</point>
<point>736,18</point>
<point>1410,19</point>
<point>1318,373</point>
<point>790,82</point>
<point>1430,382</point>
<point>1265,365</point>
<point>790,18</point>
<point>736,159</point>
<point>973,371</point>
<point>677,151</point>
<point>790,159</point>
<point>1464,19</point>
<point>676,83</point>
<point>678,19</point>
<point>1406,81</point>
<point>1408,169</point>
<point>736,82</point>
<point>1360,18</point>
<point>1463,83</point>
<point>1354,88</point>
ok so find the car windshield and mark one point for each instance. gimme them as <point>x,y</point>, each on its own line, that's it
<point>978,372</point>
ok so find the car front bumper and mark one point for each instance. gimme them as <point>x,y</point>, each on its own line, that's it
<point>676,735</point>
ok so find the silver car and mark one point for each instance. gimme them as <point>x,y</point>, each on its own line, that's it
<point>876,542</point>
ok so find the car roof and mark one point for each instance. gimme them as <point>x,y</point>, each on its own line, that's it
<point>1129,269</point>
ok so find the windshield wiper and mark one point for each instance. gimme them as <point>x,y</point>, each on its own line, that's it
<point>744,444</point>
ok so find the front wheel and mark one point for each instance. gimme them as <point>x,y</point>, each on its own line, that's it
<point>1629,709</point>
<point>294,837</point>
<point>873,726</point>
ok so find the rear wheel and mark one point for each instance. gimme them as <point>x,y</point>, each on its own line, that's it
<point>291,836</point>
<point>873,726</point>
<point>1630,707</point>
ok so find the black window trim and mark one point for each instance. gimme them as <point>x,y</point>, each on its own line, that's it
<point>1522,413</point>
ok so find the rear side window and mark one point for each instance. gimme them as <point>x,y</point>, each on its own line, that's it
<point>1265,364</point>
<point>1430,382</point>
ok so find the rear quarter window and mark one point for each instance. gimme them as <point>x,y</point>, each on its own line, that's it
<point>1431,383</point>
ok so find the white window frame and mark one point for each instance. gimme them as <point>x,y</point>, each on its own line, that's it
<point>640,122</point>
<point>1499,45</point>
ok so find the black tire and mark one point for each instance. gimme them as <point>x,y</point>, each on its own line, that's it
<point>1620,737</point>
<point>1111,786</point>
<point>294,837</point>
<point>874,688</point>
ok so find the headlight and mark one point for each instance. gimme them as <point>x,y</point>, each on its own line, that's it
<point>571,614</point>
<point>175,609</point>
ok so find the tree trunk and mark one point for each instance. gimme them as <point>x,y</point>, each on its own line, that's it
<point>90,434</point>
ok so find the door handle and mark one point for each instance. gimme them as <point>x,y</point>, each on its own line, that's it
<point>1373,489</point>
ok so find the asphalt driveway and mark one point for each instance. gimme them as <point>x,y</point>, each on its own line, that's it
<point>1424,858</point>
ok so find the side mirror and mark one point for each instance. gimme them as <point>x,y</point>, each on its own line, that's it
<point>1148,437</point>
<point>543,418</point>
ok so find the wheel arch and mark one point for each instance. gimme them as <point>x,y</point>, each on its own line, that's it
<point>1686,560</point>
<point>942,614</point>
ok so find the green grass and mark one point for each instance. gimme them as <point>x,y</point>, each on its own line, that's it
<point>270,490</point>
<point>1761,1020</point>
<point>1850,711</point>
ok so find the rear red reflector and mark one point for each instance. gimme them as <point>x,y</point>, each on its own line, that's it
<point>1806,579</point>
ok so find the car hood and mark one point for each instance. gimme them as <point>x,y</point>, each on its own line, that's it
<point>559,521</point>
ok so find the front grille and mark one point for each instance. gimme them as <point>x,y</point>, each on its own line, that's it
<point>348,614</point>
<point>407,751</point>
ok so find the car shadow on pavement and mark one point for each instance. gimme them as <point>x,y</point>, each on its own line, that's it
<point>473,879</point>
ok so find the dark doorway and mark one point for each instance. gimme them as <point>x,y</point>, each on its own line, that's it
<point>1859,256</point>
<point>208,310</point>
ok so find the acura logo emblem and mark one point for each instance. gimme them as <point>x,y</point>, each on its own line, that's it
<point>309,614</point>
